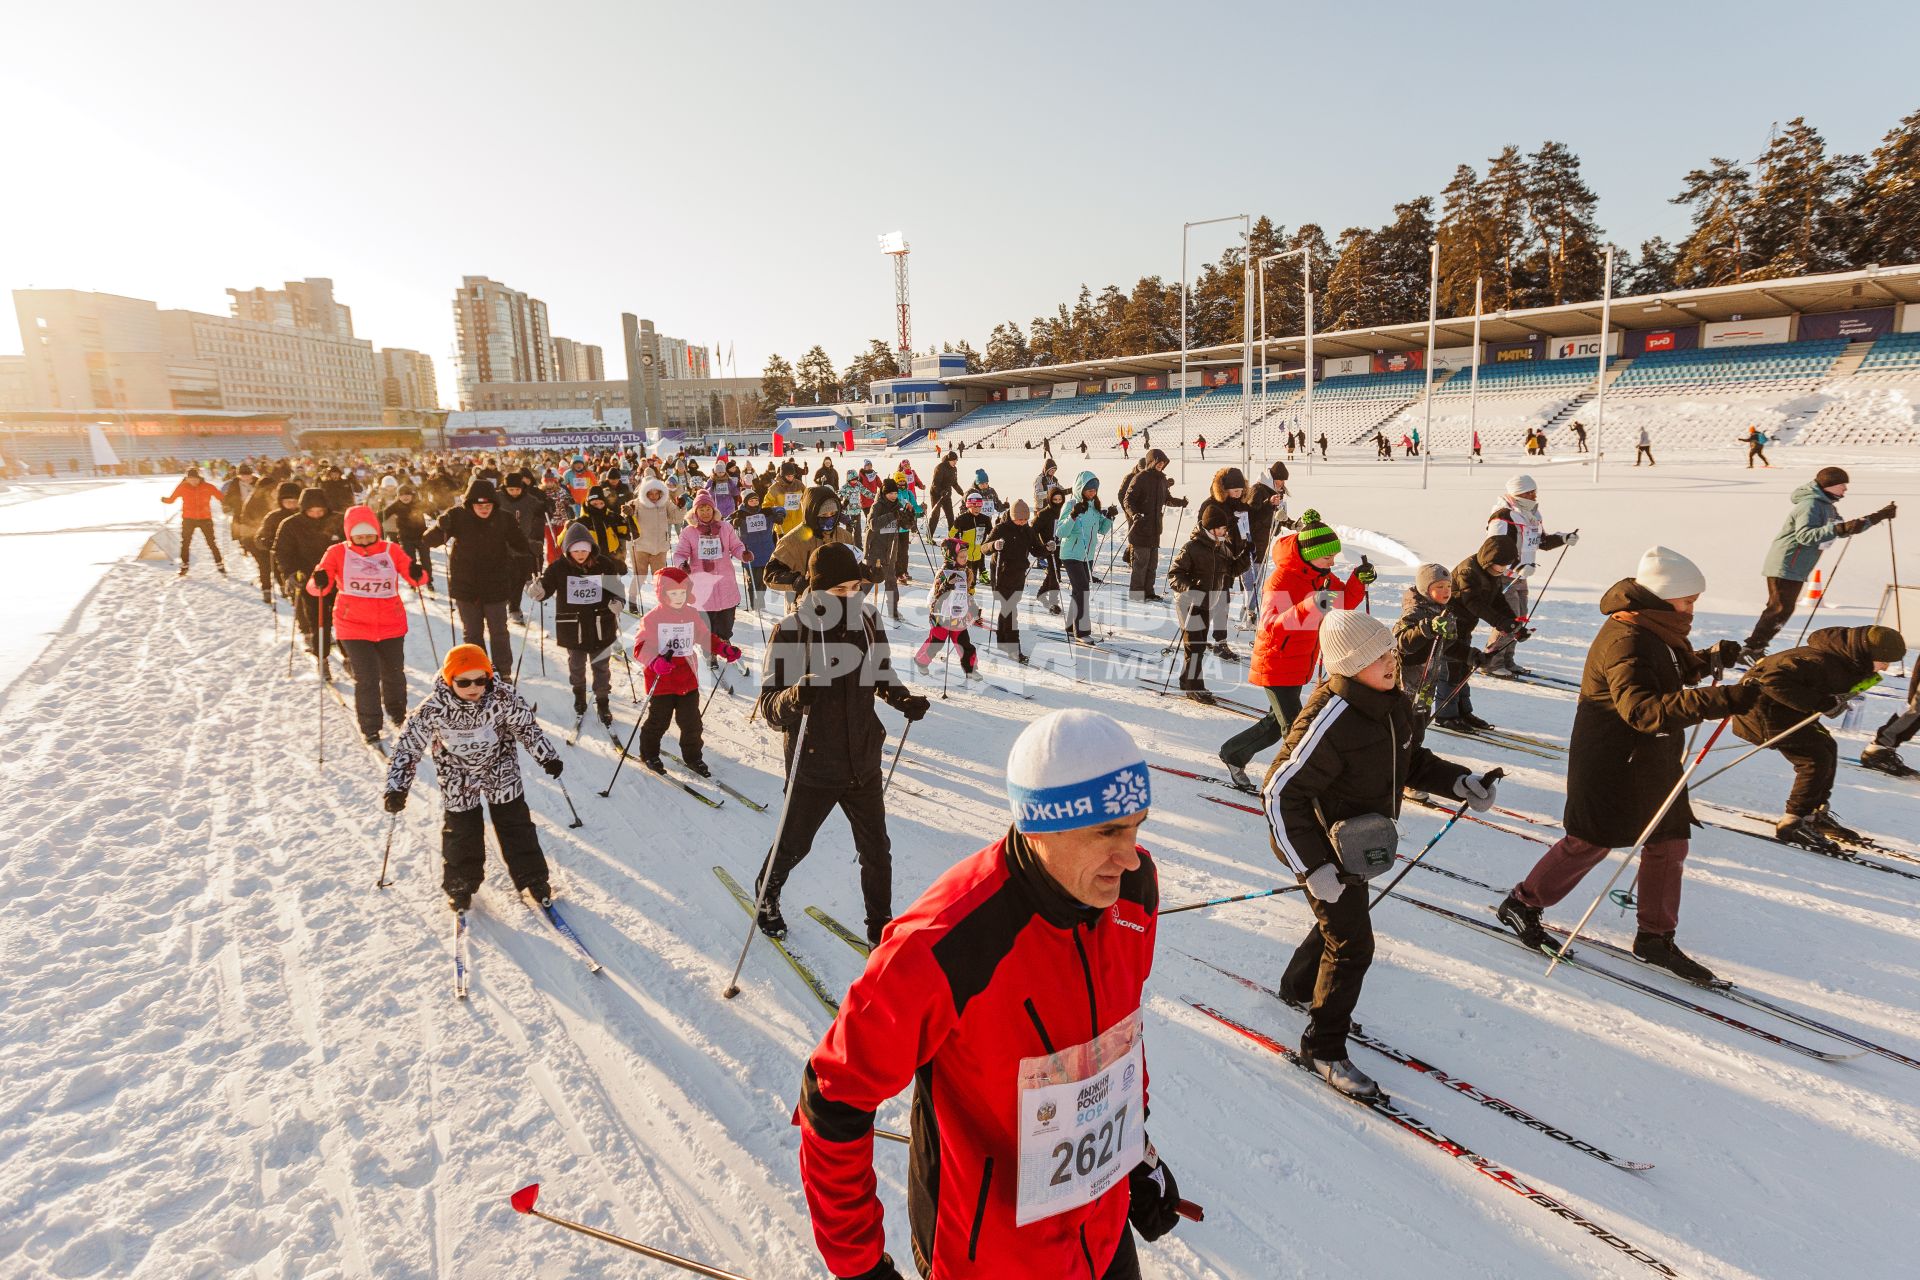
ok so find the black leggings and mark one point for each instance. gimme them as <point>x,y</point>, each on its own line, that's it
<point>463,848</point>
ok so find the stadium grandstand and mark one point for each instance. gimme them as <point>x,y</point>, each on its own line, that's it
<point>1829,359</point>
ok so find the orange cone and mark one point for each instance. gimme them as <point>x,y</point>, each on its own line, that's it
<point>1814,589</point>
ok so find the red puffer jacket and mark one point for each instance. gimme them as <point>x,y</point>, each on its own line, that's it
<point>1288,645</point>
<point>995,963</point>
<point>368,581</point>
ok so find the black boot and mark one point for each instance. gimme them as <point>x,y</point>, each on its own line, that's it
<point>1824,821</point>
<point>1524,921</point>
<point>770,921</point>
<point>604,711</point>
<point>580,700</point>
<point>1659,949</point>
<point>1886,760</point>
<point>1798,830</point>
<point>875,930</point>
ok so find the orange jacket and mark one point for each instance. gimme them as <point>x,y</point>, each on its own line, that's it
<point>1288,644</point>
<point>196,498</point>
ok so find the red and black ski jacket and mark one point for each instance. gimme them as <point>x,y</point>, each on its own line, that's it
<point>994,963</point>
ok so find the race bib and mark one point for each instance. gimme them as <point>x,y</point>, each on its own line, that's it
<point>583,589</point>
<point>709,548</point>
<point>369,577</point>
<point>1246,526</point>
<point>791,501</point>
<point>466,741</point>
<point>988,509</point>
<point>756,524</point>
<point>1080,1125</point>
<point>676,639</point>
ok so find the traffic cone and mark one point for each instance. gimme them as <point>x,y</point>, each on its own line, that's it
<point>1814,588</point>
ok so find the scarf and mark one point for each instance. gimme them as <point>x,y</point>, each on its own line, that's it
<point>1670,625</point>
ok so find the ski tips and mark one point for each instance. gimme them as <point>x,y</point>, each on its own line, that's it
<point>522,1200</point>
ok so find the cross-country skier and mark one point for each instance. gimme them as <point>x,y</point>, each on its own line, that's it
<point>1267,516</point>
<point>755,527</point>
<point>826,663</point>
<point>584,584</point>
<point>651,519</point>
<point>1883,753</point>
<point>1348,755</point>
<point>196,498</point>
<point>971,529</point>
<point>708,549</point>
<point>235,496</point>
<point>819,526</point>
<point>1813,522</point>
<point>786,496</point>
<point>1823,674</point>
<point>1435,659</point>
<point>1756,442</point>
<point>608,528</point>
<point>1046,527</point>
<point>286,506</point>
<point>1300,592</point>
<point>1079,532</point>
<point>299,542</point>
<point>1227,493</point>
<point>667,648</point>
<point>1199,578</point>
<point>1480,586</point>
<point>1517,516</point>
<point>1031,953</point>
<point>1015,544</point>
<point>950,610</point>
<point>889,525</point>
<point>1626,755</point>
<point>364,576</point>
<point>471,723</point>
<point>1145,497</point>
<point>946,485</point>
<point>404,520</point>
<point>529,508</point>
<point>487,561</point>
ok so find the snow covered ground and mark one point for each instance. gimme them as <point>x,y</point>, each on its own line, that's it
<point>225,1053</point>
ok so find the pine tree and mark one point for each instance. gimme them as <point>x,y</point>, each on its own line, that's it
<point>1649,272</point>
<point>1469,249</point>
<point>776,387</point>
<point>1320,258</point>
<point>1561,205</point>
<point>1887,200</point>
<point>965,348</point>
<point>1801,216</point>
<point>814,377</point>
<point>1007,348</point>
<point>1505,194</point>
<point>1352,295</point>
<point>1151,320</point>
<point>1716,252</point>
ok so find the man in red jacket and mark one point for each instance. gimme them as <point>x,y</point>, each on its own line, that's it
<point>1009,997</point>
<point>196,498</point>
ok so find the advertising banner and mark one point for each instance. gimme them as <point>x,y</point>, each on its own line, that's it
<point>495,439</point>
<point>1192,378</point>
<point>999,395</point>
<point>1153,382</point>
<point>1639,342</point>
<point>1586,348</point>
<point>1910,318</point>
<point>1345,366</point>
<point>1452,358</point>
<point>1120,386</point>
<point>1506,352</point>
<point>1091,388</point>
<point>1065,390</point>
<point>1745,333</point>
<point>1854,326</point>
<point>1019,393</point>
<point>1399,361</point>
<point>1222,377</point>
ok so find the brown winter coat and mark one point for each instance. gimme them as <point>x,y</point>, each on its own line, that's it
<point>1812,677</point>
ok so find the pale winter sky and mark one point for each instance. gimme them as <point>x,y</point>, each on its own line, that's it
<point>724,168</point>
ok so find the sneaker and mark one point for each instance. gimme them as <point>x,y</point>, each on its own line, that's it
<point>1886,760</point>
<point>1824,821</point>
<point>1798,830</point>
<point>770,921</point>
<point>1237,775</point>
<point>1203,697</point>
<point>1524,921</point>
<point>1344,1076</point>
<point>699,767</point>
<point>1659,949</point>
<point>654,763</point>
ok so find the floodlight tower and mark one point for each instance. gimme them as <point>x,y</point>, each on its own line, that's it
<point>894,244</point>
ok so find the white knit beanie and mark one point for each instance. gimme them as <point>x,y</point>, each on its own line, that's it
<point>1518,483</point>
<point>1352,641</point>
<point>1072,769</point>
<point>1669,575</point>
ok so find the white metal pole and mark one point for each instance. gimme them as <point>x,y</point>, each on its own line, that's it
<point>1306,296</point>
<point>1183,349</point>
<point>1246,353</point>
<point>1433,305</point>
<point>1263,351</point>
<point>1600,387</point>
<point>1473,378</point>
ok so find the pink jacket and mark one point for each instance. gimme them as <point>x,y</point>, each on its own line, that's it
<point>716,585</point>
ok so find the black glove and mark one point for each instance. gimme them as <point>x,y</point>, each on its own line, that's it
<point>396,801</point>
<point>1079,509</point>
<point>913,706</point>
<point>1725,653</point>
<point>1522,633</point>
<point>322,579</point>
<point>1155,1207</point>
<point>1847,528</point>
<point>1113,511</point>
<point>552,767</point>
<point>881,1270</point>
<point>803,694</point>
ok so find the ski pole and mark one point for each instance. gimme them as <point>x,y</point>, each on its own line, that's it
<point>543,639</point>
<point>426,620</point>
<point>627,662</point>
<point>1893,554</point>
<point>1756,750</point>
<point>627,746</point>
<point>896,757</point>
<point>523,1202</point>
<point>1238,897</point>
<point>393,824</point>
<point>320,670</point>
<point>570,809</point>
<point>1491,775</point>
<point>1815,611</point>
<point>766,867</point>
<point>523,653</point>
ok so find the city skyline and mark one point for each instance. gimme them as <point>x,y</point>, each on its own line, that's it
<point>731,231</point>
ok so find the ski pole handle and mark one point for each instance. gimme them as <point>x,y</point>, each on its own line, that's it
<point>1191,1211</point>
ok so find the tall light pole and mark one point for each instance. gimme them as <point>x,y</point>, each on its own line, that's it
<point>1433,307</point>
<point>1305,254</point>
<point>1600,387</point>
<point>1246,238</point>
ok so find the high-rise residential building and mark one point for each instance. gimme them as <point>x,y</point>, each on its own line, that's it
<point>405,379</point>
<point>312,376</point>
<point>682,359</point>
<point>93,351</point>
<point>302,304</point>
<point>578,361</point>
<point>503,336</point>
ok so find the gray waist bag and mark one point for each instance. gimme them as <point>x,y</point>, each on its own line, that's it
<point>1366,844</point>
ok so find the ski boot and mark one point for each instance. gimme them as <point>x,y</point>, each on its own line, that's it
<point>458,900</point>
<point>1223,650</point>
<point>633,610</point>
<point>220,567</point>
<point>1472,723</point>
<point>1659,949</point>
<point>1203,697</point>
<point>653,762</point>
<point>372,740</point>
<point>1798,830</point>
<point>580,700</point>
<point>541,893</point>
<point>1886,760</point>
<point>1237,775</point>
<point>1344,1076</point>
<point>602,709</point>
<point>266,597</point>
<point>699,767</point>
<point>1524,921</point>
<point>1824,821</point>
<point>770,922</point>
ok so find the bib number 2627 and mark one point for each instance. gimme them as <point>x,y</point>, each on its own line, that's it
<point>1095,1150</point>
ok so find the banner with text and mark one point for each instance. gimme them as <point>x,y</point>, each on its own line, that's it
<point>1345,366</point>
<point>1192,378</point>
<point>1399,361</point>
<point>1452,358</point>
<point>1745,333</point>
<point>1507,352</point>
<point>1222,377</point>
<point>1587,348</point>
<point>493,439</point>
<point>1641,342</point>
<point>1091,388</point>
<point>1120,386</point>
<point>1065,390</point>
<point>1019,393</point>
<point>1854,326</point>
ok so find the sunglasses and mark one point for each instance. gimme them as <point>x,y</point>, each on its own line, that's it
<point>461,682</point>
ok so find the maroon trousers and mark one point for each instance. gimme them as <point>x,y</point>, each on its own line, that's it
<point>1563,866</point>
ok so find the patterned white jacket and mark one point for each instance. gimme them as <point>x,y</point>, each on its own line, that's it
<point>472,745</point>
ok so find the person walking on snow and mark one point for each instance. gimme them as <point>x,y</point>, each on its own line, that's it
<point>1332,798</point>
<point>364,574</point>
<point>951,610</point>
<point>1145,496</point>
<point>584,584</point>
<point>1200,577</point>
<point>196,498</point>
<point>1813,522</point>
<point>1011,986</point>
<point>1756,442</point>
<point>488,560</point>
<point>404,521</point>
<point>755,529</point>
<point>670,638</point>
<point>1435,659</point>
<point>472,724</point>
<point>1627,755</point>
<point>299,542</point>
<point>1079,531</point>
<point>708,549</point>
<point>1517,516</point>
<point>1300,592</point>
<point>287,505</point>
<point>236,497</point>
<point>889,523</point>
<point>651,518</point>
<point>1834,666</point>
<point>1643,448</point>
<point>827,661</point>
<point>1015,543</point>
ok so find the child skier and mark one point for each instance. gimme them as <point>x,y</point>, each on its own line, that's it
<point>472,723</point>
<point>585,585</point>
<point>1822,675</point>
<point>972,528</point>
<point>669,636</point>
<point>1200,577</point>
<point>369,616</point>
<point>1435,658</point>
<point>707,549</point>
<point>755,528</point>
<point>950,609</point>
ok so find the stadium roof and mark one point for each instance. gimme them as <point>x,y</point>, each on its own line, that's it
<point>1839,291</point>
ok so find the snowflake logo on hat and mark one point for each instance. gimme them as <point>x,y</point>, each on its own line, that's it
<point>1127,793</point>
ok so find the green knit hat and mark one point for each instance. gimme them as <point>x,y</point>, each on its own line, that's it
<point>1316,540</point>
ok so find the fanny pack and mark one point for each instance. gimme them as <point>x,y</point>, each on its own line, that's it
<point>1366,844</point>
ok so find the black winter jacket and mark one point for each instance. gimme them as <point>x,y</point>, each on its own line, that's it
<point>1206,565</point>
<point>1020,545</point>
<point>530,511</point>
<point>1351,750</point>
<point>1629,726</point>
<point>300,540</point>
<point>584,626</point>
<point>844,735</point>
<point>1149,493</point>
<point>1478,593</point>
<point>488,559</point>
<point>1815,676</point>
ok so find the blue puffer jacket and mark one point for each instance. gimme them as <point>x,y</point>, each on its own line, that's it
<point>1079,534</point>
<point>1809,528</point>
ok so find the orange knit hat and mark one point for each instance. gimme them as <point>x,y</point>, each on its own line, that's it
<point>465,657</point>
